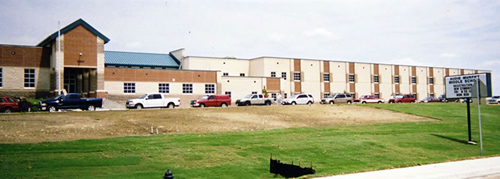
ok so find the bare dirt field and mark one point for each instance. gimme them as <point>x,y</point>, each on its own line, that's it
<point>64,126</point>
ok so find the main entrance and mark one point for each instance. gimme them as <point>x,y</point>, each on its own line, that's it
<point>80,80</point>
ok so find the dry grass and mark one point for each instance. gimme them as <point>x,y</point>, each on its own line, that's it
<point>42,127</point>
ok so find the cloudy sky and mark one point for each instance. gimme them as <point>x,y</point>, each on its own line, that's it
<point>455,34</point>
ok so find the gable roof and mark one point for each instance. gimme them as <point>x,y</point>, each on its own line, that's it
<point>71,27</point>
<point>140,59</point>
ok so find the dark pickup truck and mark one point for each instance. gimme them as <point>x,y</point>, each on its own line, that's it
<point>70,101</point>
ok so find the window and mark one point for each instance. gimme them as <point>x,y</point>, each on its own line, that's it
<point>326,77</point>
<point>285,96</point>
<point>296,76</point>
<point>228,93</point>
<point>273,74</point>
<point>254,92</point>
<point>163,88</point>
<point>273,96</point>
<point>396,79</point>
<point>413,80</point>
<point>414,96</point>
<point>376,95</point>
<point>242,74</point>
<point>187,88</point>
<point>29,78</point>
<point>283,75</point>
<point>353,95</point>
<point>1,77</point>
<point>431,80</point>
<point>225,74</point>
<point>209,88</point>
<point>375,79</point>
<point>432,95</point>
<point>351,79</point>
<point>128,87</point>
<point>326,95</point>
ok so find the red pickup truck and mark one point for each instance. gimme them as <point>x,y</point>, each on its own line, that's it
<point>369,99</point>
<point>406,98</point>
<point>212,100</point>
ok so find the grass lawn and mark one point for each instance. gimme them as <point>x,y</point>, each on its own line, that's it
<point>245,154</point>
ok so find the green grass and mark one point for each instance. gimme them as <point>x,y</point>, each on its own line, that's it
<point>332,150</point>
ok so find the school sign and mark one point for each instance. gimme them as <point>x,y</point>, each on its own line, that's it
<point>465,86</point>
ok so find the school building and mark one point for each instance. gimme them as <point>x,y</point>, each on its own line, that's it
<point>76,61</point>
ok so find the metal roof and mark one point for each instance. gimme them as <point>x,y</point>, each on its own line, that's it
<point>71,27</point>
<point>140,59</point>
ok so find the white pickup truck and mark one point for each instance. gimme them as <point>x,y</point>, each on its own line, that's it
<point>254,99</point>
<point>153,100</point>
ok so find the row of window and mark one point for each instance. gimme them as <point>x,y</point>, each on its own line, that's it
<point>165,88</point>
<point>326,77</point>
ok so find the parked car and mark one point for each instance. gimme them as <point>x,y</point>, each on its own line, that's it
<point>337,98</point>
<point>153,100</point>
<point>254,99</point>
<point>464,100</point>
<point>406,98</point>
<point>299,99</point>
<point>369,99</point>
<point>212,101</point>
<point>8,104</point>
<point>429,99</point>
<point>70,101</point>
<point>494,100</point>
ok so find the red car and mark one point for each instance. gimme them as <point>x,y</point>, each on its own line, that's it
<point>8,104</point>
<point>212,100</point>
<point>406,98</point>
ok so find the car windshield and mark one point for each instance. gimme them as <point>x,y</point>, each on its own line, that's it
<point>294,96</point>
<point>60,96</point>
<point>363,97</point>
<point>332,95</point>
<point>399,96</point>
<point>249,96</point>
<point>143,96</point>
<point>495,97</point>
<point>204,97</point>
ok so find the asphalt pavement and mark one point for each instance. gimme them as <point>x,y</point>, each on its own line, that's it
<point>484,168</point>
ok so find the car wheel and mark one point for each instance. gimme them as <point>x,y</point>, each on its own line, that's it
<point>202,105</point>
<point>379,102</point>
<point>400,102</point>
<point>412,101</point>
<point>247,103</point>
<point>91,108</point>
<point>364,102</point>
<point>138,106</point>
<point>224,105</point>
<point>349,102</point>
<point>294,103</point>
<point>170,106</point>
<point>309,103</point>
<point>7,110</point>
<point>268,103</point>
<point>52,109</point>
<point>332,102</point>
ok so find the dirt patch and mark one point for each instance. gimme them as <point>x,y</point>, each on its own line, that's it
<point>63,126</point>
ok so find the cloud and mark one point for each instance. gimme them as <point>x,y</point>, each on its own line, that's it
<point>133,45</point>
<point>448,55</point>
<point>277,37</point>
<point>318,32</point>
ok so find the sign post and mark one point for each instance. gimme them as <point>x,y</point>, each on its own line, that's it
<point>467,87</point>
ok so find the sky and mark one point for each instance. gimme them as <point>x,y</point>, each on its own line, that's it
<point>438,33</point>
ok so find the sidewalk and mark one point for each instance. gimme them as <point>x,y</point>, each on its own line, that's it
<point>488,168</point>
